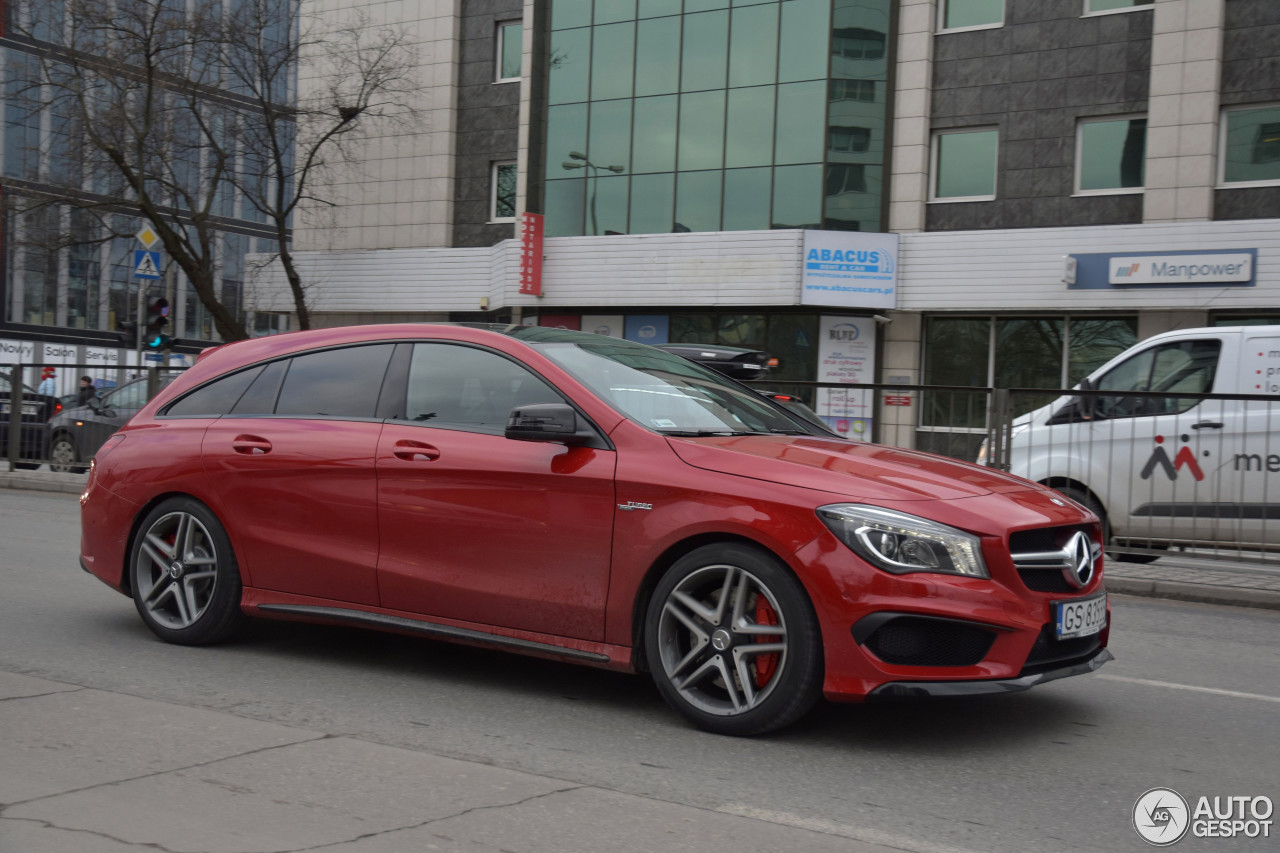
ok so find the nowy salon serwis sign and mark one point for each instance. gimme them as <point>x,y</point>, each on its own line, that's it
<point>849,269</point>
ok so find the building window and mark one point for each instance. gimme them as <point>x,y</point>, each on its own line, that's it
<point>853,90</point>
<point>848,139</point>
<point>846,178</point>
<point>1093,7</point>
<point>502,193</point>
<point>1111,155</point>
<point>1251,146</point>
<point>970,14</point>
<point>857,43</point>
<point>508,51</point>
<point>964,165</point>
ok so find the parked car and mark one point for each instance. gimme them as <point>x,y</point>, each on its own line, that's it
<point>591,500</point>
<point>37,409</point>
<point>739,363</point>
<point>1163,469</point>
<point>76,433</point>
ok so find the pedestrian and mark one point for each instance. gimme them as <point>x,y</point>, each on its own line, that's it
<point>48,385</point>
<point>86,391</point>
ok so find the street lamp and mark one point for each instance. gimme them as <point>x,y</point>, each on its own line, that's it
<point>584,163</point>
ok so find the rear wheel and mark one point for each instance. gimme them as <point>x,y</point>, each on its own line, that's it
<point>732,641</point>
<point>186,584</point>
<point>1086,499</point>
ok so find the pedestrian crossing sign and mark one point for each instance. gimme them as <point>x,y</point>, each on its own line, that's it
<point>146,264</point>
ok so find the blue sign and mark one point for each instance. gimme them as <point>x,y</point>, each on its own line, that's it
<point>647,328</point>
<point>1186,268</point>
<point>146,264</point>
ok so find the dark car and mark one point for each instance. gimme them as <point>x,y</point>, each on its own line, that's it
<point>740,363</point>
<point>37,409</point>
<point>592,500</point>
<point>76,433</point>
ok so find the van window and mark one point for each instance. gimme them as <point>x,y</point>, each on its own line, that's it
<point>1186,366</point>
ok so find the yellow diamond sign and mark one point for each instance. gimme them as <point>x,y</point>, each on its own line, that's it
<point>147,236</point>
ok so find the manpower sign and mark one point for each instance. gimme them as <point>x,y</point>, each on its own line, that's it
<point>848,269</point>
<point>1215,268</point>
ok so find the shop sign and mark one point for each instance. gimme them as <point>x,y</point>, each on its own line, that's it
<point>1212,268</point>
<point>610,325</point>
<point>647,328</point>
<point>897,400</point>
<point>847,355</point>
<point>531,248</point>
<point>849,269</point>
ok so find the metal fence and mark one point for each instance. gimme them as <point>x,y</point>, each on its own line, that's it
<point>1195,472</point>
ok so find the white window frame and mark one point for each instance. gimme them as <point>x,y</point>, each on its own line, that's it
<point>493,189</point>
<point>933,166</point>
<point>942,17</point>
<point>499,40</point>
<point>1088,11</point>
<point>1079,158</point>
<point>1222,149</point>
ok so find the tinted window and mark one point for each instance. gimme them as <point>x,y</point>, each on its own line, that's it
<point>466,387</point>
<point>1187,366</point>
<point>260,399</point>
<point>338,383</point>
<point>217,397</point>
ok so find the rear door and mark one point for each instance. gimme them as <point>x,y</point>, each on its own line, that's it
<point>484,529</point>
<point>292,466</point>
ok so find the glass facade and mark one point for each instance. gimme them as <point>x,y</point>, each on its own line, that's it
<point>708,115</point>
<point>73,268</point>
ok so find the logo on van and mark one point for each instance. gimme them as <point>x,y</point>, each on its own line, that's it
<point>1185,456</point>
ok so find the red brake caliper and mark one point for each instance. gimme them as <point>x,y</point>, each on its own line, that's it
<point>766,664</point>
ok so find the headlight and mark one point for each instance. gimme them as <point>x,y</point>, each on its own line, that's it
<point>901,543</point>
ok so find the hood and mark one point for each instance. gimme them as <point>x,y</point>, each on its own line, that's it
<point>867,472</point>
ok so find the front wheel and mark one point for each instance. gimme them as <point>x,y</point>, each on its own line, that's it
<point>186,584</point>
<point>63,456</point>
<point>732,641</point>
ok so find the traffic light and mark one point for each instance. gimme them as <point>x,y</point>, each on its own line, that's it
<point>128,331</point>
<point>157,322</point>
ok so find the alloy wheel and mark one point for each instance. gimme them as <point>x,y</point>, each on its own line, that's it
<point>176,570</point>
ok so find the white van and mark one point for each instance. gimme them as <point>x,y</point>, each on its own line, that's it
<point>1164,470</point>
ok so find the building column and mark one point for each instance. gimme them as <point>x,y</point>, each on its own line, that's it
<point>901,364</point>
<point>1182,116</point>
<point>909,175</point>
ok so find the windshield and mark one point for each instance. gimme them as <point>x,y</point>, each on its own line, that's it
<point>667,393</point>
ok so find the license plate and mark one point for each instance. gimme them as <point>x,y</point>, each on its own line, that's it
<point>28,409</point>
<point>1080,617</point>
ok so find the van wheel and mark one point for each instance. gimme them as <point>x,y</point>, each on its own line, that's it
<point>732,641</point>
<point>1087,500</point>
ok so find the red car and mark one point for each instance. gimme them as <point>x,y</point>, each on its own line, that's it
<point>586,499</point>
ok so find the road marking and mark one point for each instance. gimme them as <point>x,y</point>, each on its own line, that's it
<point>842,830</point>
<point>1172,686</point>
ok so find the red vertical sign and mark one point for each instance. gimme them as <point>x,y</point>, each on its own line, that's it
<point>531,254</point>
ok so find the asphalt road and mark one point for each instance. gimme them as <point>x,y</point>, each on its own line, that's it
<point>1192,702</point>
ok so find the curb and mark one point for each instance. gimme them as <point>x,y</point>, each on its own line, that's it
<point>35,481</point>
<point>1265,599</point>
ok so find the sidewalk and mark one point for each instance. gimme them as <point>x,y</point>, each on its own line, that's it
<point>1179,576</point>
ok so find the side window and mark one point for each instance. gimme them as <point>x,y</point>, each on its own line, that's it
<point>131,396</point>
<point>216,398</point>
<point>343,382</point>
<point>468,388</point>
<point>260,399</point>
<point>1187,366</point>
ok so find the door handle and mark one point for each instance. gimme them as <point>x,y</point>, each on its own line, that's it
<point>411,450</point>
<point>1208,425</point>
<point>250,445</point>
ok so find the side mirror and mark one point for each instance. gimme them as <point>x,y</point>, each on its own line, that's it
<point>554,422</point>
<point>1088,402</point>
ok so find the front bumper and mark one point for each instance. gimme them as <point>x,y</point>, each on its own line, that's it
<point>914,689</point>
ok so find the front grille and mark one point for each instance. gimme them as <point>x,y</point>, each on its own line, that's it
<point>905,640</point>
<point>1040,559</point>
<point>1050,653</point>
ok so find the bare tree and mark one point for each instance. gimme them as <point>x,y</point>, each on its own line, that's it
<point>178,111</point>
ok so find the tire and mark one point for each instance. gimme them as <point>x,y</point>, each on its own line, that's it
<point>183,574</point>
<point>1086,499</point>
<point>703,631</point>
<point>63,455</point>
